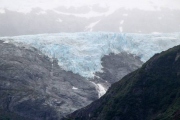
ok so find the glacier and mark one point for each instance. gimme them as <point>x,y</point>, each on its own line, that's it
<point>81,53</point>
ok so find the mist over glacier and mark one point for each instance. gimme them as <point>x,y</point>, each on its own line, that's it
<point>81,53</point>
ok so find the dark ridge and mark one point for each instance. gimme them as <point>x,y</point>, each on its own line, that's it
<point>150,93</point>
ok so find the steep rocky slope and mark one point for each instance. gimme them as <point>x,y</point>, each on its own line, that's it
<point>115,66</point>
<point>150,93</point>
<point>33,86</point>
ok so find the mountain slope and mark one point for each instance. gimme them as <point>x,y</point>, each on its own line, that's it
<point>151,92</point>
<point>33,86</point>
<point>39,21</point>
<point>42,75</point>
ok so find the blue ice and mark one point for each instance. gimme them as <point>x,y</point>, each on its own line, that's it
<point>82,52</point>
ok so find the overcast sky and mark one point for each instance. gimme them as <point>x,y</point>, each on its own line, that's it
<point>27,5</point>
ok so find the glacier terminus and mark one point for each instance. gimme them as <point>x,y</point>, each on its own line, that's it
<point>81,53</point>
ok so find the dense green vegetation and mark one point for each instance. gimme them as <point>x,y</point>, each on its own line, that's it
<point>150,93</point>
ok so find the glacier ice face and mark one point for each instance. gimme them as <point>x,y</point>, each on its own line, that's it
<point>82,52</point>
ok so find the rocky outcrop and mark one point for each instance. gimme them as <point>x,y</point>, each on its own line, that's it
<point>115,67</point>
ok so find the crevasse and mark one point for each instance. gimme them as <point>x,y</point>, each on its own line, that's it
<point>82,52</point>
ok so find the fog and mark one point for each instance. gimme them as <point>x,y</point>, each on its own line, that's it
<point>27,5</point>
<point>22,17</point>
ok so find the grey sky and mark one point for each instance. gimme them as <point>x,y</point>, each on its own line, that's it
<point>27,5</point>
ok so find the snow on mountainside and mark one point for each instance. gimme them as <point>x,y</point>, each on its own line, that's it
<point>44,16</point>
<point>82,52</point>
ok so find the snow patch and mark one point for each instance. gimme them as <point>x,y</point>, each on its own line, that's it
<point>6,42</point>
<point>87,15</point>
<point>90,14</point>
<point>121,29</point>
<point>156,33</point>
<point>121,22</point>
<point>101,90</point>
<point>90,27</point>
<point>97,76</point>
<point>74,88</point>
